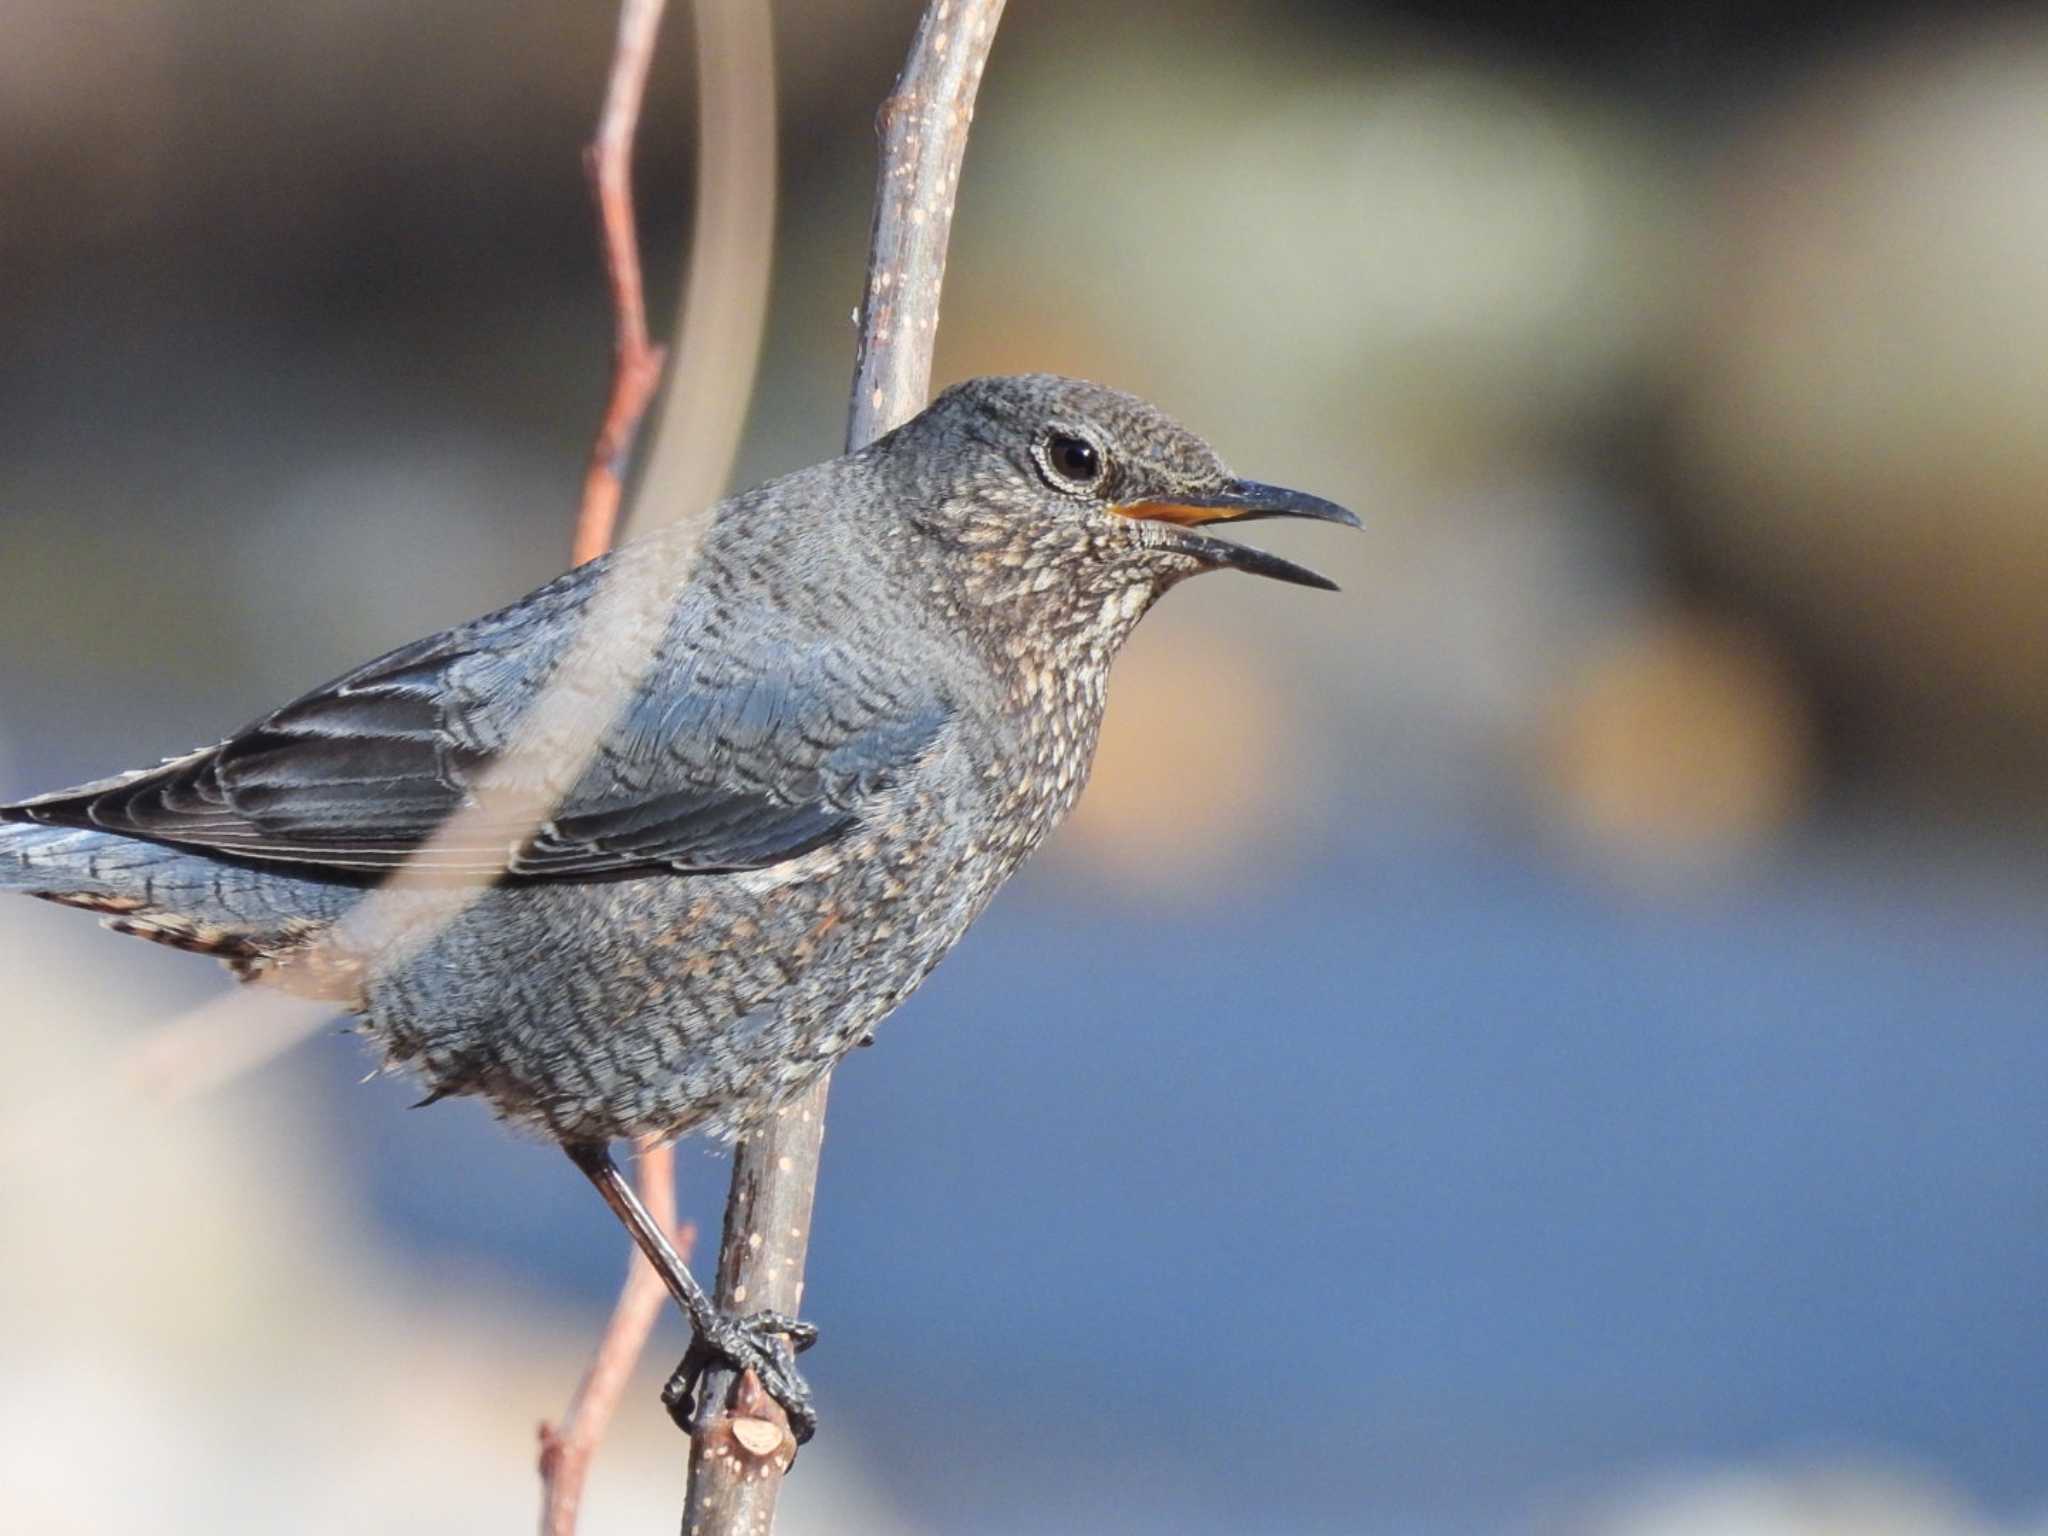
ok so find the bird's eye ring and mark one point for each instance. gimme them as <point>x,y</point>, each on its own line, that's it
<point>1072,460</point>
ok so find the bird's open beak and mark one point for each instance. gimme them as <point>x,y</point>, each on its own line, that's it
<point>1241,501</point>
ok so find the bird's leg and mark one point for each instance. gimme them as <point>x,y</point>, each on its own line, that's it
<point>765,1343</point>
<point>595,1159</point>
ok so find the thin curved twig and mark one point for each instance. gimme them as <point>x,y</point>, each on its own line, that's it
<point>724,309</point>
<point>722,318</point>
<point>566,1452</point>
<point>694,443</point>
<point>739,1455</point>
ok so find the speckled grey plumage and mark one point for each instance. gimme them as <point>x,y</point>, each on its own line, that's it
<point>874,693</point>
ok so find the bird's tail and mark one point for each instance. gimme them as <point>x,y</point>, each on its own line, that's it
<point>168,894</point>
<point>46,861</point>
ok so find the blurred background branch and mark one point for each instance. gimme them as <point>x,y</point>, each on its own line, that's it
<point>723,308</point>
<point>723,312</point>
<point>567,1449</point>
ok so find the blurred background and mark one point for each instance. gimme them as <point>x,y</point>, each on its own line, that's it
<point>1584,983</point>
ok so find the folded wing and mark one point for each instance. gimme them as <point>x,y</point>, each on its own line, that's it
<point>718,754</point>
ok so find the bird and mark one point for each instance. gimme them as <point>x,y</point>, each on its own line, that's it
<point>651,848</point>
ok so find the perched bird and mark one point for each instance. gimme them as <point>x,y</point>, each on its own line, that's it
<point>662,840</point>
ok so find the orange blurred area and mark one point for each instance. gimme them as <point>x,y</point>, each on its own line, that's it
<point>1682,741</point>
<point>1184,779</point>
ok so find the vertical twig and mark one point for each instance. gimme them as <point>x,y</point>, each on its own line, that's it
<point>566,1452</point>
<point>636,365</point>
<point>923,127</point>
<point>739,1455</point>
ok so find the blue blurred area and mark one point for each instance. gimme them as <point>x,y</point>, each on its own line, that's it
<point>1443,1177</point>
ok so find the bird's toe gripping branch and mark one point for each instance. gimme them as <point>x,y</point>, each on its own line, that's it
<point>766,1343</point>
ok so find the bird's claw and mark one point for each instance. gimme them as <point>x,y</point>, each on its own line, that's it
<point>766,1343</point>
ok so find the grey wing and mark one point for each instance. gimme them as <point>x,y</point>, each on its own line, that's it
<point>777,754</point>
<point>720,757</point>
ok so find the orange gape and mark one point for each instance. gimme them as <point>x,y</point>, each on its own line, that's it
<point>1176,512</point>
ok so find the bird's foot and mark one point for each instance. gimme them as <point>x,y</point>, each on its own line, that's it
<point>766,1343</point>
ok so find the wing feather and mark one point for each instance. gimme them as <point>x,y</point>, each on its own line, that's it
<point>724,756</point>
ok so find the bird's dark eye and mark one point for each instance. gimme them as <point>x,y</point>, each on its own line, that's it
<point>1073,459</point>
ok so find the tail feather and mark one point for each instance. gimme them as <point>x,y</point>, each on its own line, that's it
<point>171,895</point>
<point>56,861</point>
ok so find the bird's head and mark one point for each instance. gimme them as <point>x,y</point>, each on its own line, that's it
<point>1066,497</point>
